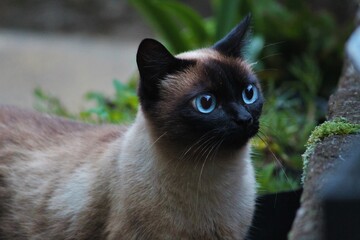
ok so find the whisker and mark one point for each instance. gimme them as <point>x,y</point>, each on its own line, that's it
<point>162,135</point>
<point>203,150</point>
<point>274,44</point>
<point>194,144</point>
<point>210,151</point>
<point>253,64</point>
<point>276,158</point>
<point>218,146</point>
<point>271,55</point>
<point>211,154</point>
<point>194,154</point>
<point>267,70</point>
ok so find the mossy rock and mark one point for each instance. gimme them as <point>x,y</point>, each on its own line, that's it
<point>336,126</point>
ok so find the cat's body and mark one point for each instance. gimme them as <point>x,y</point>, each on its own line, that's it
<point>50,169</point>
<point>181,171</point>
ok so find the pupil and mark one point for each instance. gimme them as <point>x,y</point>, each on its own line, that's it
<point>206,102</point>
<point>249,92</point>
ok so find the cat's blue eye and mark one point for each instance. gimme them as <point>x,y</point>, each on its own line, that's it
<point>250,94</point>
<point>205,103</point>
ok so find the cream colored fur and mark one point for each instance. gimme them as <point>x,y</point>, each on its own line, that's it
<point>175,199</point>
<point>65,180</point>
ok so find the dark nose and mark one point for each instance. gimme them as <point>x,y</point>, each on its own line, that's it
<point>243,117</point>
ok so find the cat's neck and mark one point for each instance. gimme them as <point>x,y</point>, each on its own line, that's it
<point>158,177</point>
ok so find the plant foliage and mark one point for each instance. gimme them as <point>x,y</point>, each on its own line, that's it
<point>296,53</point>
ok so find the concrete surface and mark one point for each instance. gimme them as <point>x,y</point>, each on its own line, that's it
<point>66,66</point>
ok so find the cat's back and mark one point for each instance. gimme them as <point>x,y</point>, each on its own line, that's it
<point>41,143</point>
<point>36,144</point>
<point>32,130</point>
<point>48,167</point>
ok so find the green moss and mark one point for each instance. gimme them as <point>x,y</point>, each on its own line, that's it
<point>337,126</point>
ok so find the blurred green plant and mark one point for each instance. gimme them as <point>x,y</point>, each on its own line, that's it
<point>45,102</point>
<point>121,108</point>
<point>297,55</point>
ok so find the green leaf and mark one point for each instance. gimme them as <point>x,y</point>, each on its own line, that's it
<point>47,103</point>
<point>226,14</point>
<point>98,97</point>
<point>190,19</point>
<point>119,86</point>
<point>163,22</point>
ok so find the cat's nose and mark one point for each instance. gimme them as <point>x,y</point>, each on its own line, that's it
<point>244,120</point>
<point>242,117</point>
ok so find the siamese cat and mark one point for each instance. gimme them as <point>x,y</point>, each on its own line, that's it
<point>182,170</point>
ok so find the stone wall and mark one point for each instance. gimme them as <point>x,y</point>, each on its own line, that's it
<point>328,155</point>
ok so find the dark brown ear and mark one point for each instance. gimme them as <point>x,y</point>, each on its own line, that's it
<point>153,59</point>
<point>233,43</point>
<point>154,63</point>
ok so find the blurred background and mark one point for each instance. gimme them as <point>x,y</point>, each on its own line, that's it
<point>76,58</point>
<point>66,47</point>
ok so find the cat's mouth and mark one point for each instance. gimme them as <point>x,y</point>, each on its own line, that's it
<point>238,136</point>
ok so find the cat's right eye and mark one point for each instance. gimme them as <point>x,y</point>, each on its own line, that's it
<point>204,103</point>
<point>250,94</point>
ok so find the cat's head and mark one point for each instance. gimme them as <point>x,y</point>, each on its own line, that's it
<point>209,94</point>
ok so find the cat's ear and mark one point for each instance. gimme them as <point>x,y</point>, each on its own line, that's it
<point>233,43</point>
<point>155,62</point>
<point>153,59</point>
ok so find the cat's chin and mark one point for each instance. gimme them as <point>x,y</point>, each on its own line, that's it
<point>240,137</point>
<point>234,143</point>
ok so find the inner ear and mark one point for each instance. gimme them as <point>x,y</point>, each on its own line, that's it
<point>233,43</point>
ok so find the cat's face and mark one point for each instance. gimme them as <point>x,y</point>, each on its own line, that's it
<point>204,95</point>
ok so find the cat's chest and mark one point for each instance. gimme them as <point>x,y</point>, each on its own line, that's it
<point>186,208</point>
<point>165,223</point>
<point>162,226</point>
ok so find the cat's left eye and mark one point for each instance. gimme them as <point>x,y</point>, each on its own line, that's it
<point>204,103</point>
<point>250,94</point>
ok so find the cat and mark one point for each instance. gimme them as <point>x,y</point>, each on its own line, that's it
<point>182,170</point>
